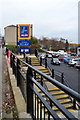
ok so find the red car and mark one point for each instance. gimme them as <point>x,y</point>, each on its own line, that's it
<point>61,57</point>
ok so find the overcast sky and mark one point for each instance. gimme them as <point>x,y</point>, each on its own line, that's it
<point>50,18</point>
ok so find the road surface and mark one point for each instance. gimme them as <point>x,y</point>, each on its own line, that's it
<point>72,75</point>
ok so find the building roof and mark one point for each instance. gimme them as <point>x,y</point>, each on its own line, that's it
<point>10,26</point>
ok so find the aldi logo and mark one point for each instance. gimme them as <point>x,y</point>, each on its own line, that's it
<point>24,32</point>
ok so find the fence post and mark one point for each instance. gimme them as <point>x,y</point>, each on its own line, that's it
<point>62,78</point>
<point>52,73</point>
<point>45,62</point>
<point>13,64</point>
<point>36,53</point>
<point>18,80</point>
<point>26,59</point>
<point>74,103</point>
<point>40,61</point>
<point>30,61</point>
<point>24,54</point>
<point>41,80</point>
<point>29,84</point>
<point>11,60</point>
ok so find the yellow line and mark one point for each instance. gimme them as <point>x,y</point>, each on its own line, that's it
<point>53,89</point>
<point>57,93</point>
<point>62,97</point>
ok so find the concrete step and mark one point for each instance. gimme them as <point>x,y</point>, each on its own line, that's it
<point>62,97</point>
<point>54,89</point>
<point>36,64</point>
<point>39,79</point>
<point>45,73</point>
<point>42,69</point>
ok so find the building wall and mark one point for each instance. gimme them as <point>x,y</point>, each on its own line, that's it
<point>10,35</point>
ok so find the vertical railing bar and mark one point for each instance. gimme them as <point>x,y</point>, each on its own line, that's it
<point>35,106</point>
<point>74,103</point>
<point>62,78</point>
<point>44,112</point>
<point>30,103</point>
<point>40,110</point>
<point>34,75</point>
<point>48,115</point>
<point>52,73</point>
<point>41,80</point>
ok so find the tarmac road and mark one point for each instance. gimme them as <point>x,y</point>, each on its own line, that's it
<point>71,74</point>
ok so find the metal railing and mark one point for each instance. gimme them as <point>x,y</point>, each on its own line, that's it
<point>37,106</point>
<point>59,76</point>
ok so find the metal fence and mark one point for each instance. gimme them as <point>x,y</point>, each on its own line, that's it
<point>37,106</point>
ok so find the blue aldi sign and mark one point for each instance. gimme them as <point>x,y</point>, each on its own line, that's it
<point>24,50</point>
<point>24,43</point>
<point>23,31</point>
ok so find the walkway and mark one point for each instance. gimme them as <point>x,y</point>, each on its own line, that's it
<point>0,83</point>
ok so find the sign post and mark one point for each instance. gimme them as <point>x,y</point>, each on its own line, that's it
<point>24,33</point>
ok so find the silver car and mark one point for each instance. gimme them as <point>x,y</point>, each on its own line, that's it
<point>55,61</point>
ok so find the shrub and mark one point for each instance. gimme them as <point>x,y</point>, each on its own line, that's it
<point>13,48</point>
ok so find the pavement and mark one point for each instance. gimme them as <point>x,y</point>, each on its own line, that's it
<point>0,83</point>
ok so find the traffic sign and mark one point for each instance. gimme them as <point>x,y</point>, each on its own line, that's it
<point>24,43</point>
<point>24,50</point>
<point>23,31</point>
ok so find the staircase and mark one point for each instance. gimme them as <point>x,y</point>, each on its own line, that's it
<point>58,94</point>
<point>35,61</point>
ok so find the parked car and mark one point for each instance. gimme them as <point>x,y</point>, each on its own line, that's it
<point>49,55</point>
<point>73,61</point>
<point>67,59</point>
<point>55,55</point>
<point>78,64</point>
<point>42,56</point>
<point>61,57</point>
<point>55,61</point>
<point>73,54</point>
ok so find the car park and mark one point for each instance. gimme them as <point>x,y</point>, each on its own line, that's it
<point>55,61</point>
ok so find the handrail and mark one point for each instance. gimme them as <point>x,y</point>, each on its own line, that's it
<point>54,115</point>
<point>69,91</point>
<point>29,85</point>
<point>63,110</point>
